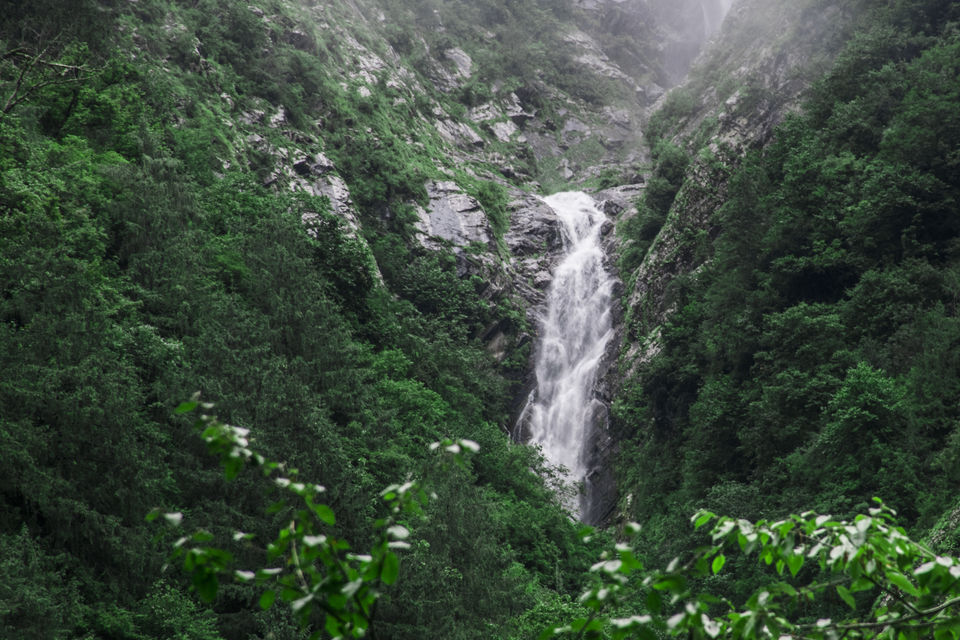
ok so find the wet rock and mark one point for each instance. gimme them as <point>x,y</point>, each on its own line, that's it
<point>648,94</point>
<point>516,112</point>
<point>534,228</point>
<point>542,279</point>
<point>316,165</point>
<point>341,202</point>
<point>252,117</point>
<point>279,118</point>
<point>616,200</point>
<point>592,57</point>
<point>485,113</point>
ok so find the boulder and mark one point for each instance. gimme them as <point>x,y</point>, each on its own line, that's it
<point>452,216</point>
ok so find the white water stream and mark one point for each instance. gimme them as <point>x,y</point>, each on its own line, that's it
<point>714,11</point>
<point>573,338</point>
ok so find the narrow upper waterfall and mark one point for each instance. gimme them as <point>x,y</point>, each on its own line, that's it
<point>714,11</point>
<point>575,330</point>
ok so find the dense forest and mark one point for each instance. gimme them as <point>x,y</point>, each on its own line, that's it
<point>138,267</point>
<point>811,359</point>
<point>152,247</point>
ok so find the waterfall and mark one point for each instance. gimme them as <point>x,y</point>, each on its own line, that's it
<point>714,11</point>
<point>574,333</point>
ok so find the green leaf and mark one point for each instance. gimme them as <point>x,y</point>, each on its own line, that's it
<point>945,633</point>
<point>391,568</point>
<point>325,514</point>
<point>548,633</point>
<point>903,583</point>
<point>645,633</point>
<point>654,602</point>
<point>671,583</point>
<point>861,584</point>
<point>185,407</point>
<point>846,597</point>
<point>266,600</point>
<point>718,563</point>
<point>205,582</point>
<point>332,625</point>
<point>795,563</point>
<point>232,467</point>
<point>702,519</point>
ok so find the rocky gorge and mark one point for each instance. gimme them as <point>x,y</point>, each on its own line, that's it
<point>563,139</point>
<point>339,222</point>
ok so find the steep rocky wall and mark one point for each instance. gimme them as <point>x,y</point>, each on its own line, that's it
<point>744,83</point>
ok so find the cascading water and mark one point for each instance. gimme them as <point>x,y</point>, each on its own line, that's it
<point>574,334</point>
<point>714,12</point>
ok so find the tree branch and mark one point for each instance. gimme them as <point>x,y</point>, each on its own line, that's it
<point>31,62</point>
<point>899,598</point>
<point>296,559</point>
<point>896,622</point>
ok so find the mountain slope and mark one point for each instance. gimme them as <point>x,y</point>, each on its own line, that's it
<point>325,217</point>
<point>793,322</point>
<point>247,199</point>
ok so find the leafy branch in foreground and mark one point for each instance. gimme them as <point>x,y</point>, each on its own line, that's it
<point>313,570</point>
<point>896,588</point>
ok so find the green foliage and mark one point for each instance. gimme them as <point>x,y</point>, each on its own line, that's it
<point>809,332</point>
<point>320,575</point>
<point>142,257</point>
<point>37,598</point>
<point>492,197</point>
<point>172,614</point>
<point>679,104</point>
<point>670,163</point>
<point>892,586</point>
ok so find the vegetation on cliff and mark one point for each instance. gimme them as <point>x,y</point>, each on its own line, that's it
<point>810,362</point>
<point>152,244</point>
<point>144,255</point>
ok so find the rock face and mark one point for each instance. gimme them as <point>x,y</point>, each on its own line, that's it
<point>671,254</point>
<point>601,447</point>
<point>453,217</point>
<point>772,75</point>
<point>458,133</point>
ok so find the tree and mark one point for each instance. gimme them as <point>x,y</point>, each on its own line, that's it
<point>34,69</point>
